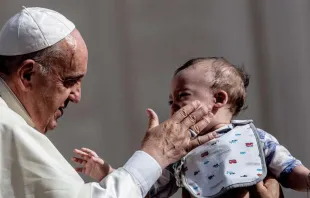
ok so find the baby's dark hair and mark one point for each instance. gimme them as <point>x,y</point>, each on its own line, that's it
<point>227,77</point>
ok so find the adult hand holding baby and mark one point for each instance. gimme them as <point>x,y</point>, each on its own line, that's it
<point>269,188</point>
<point>171,140</point>
<point>166,142</point>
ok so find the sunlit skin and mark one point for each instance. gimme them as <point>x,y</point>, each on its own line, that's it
<point>194,84</point>
<point>45,96</point>
<point>186,87</point>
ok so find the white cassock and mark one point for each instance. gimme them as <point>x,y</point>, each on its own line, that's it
<point>31,167</point>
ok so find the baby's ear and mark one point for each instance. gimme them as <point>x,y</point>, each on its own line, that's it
<point>221,99</point>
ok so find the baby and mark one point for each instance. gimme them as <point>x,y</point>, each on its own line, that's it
<point>214,81</point>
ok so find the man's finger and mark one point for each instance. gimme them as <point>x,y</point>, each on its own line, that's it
<point>261,189</point>
<point>194,117</point>
<point>89,152</point>
<point>153,118</point>
<point>202,123</point>
<point>182,113</point>
<point>273,187</point>
<point>270,182</point>
<point>199,140</point>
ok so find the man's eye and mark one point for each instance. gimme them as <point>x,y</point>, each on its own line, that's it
<point>170,102</point>
<point>70,83</point>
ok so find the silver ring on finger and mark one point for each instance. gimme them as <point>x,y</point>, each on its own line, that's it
<point>193,133</point>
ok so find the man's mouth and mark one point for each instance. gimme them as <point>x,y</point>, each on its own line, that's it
<point>62,108</point>
<point>61,111</point>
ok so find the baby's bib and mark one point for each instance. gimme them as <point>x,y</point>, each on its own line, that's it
<point>235,159</point>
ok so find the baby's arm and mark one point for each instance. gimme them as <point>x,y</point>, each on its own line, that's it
<point>289,171</point>
<point>92,164</point>
<point>298,179</point>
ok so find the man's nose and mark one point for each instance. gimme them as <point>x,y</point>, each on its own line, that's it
<point>75,95</point>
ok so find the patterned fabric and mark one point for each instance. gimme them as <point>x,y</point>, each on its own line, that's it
<point>278,160</point>
<point>230,161</point>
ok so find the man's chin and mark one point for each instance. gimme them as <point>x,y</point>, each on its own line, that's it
<point>51,125</point>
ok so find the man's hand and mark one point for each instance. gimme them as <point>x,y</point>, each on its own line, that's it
<point>171,140</point>
<point>270,188</point>
<point>92,164</point>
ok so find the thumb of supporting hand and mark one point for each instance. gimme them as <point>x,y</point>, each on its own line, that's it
<point>153,118</point>
<point>261,189</point>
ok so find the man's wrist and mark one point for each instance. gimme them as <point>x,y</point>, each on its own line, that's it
<point>156,156</point>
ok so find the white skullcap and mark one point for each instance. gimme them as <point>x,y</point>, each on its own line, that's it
<point>33,29</point>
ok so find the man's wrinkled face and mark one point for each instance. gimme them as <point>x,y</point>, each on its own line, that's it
<point>188,85</point>
<point>52,92</point>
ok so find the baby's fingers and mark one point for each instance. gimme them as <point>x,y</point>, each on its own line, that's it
<point>79,160</point>
<point>89,152</point>
<point>82,154</point>
<point>98,160</point>
<point>80,169</point>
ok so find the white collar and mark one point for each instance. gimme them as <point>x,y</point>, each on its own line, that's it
<point>13,103</point>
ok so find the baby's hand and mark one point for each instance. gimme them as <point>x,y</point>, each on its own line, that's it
<point>92,165</point>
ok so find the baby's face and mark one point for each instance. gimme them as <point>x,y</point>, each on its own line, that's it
<point>189,85</point>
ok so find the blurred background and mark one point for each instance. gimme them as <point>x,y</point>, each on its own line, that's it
<point>135,46</point>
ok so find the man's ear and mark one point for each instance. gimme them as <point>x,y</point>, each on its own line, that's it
<point>25,73</point>
<point>221,99</point>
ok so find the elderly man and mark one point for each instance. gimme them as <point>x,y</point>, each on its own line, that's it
<point>43,59</point>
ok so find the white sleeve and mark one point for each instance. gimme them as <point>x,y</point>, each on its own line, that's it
<point>134,179</point>
<point>144,169</point>
<point>31,165</point>
<point>118,184</point>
